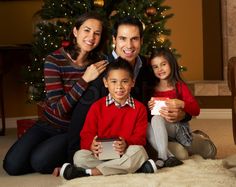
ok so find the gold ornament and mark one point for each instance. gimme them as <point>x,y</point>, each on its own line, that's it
<point>151,11</point>
<point>144,26</point>
<point>161,38</point>
<point>113,13</point>
<point>98,3</point>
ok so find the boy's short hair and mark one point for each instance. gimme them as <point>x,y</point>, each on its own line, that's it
<point>119,63</point>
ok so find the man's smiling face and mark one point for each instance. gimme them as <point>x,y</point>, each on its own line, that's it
<point>128,42</point>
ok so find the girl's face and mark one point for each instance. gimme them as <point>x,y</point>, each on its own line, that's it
<point>161,67</point>
<point>88,35</point>
<point>119,84</point>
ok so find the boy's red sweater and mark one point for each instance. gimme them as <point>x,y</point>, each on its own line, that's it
<point>110,121</point>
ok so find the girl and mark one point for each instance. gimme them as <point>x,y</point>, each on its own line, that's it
<point>67,72</point>
<point>168,84</point>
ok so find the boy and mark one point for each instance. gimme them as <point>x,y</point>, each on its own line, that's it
<point>116,115</point>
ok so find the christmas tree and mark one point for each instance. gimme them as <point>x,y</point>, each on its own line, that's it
<point>55,20</point>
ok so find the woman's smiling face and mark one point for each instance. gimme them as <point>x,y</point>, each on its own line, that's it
<point>88,35</point>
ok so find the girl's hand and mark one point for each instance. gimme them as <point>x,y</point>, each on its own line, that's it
<point>151,103</point>
<point>96,147</point>
<point>94,70</point>
<point>173,111</point>
<point>120,146</point>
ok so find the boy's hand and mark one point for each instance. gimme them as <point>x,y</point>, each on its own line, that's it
<point>151,103</point>
<point>96,147</point>
<point>120,146</point>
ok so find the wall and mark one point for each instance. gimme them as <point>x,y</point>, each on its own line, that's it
<point>186,35</point>
<point>212,40</point>
<point>229,29</point>
<point>17,18</point>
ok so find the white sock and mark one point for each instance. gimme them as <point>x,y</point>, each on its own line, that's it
<point>88,171</point>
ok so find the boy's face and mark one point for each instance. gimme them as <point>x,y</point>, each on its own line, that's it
<point>128,42</point>
<point>119,84</point>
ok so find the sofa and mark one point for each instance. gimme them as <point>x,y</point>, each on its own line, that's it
<point>232,86</point>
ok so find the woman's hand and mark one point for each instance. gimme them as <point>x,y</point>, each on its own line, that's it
<point>151,103</point>
<point>94,70</point>
<point>96,147</point>
<point>173,111</point>
<point>120,146</point>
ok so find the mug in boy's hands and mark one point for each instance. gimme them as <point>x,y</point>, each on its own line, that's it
<point>108,151</point>
<point>159,103</point>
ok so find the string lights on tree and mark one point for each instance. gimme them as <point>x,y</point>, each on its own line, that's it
<point>54,22</point>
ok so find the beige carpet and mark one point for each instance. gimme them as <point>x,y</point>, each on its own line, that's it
<point>220,131</point>
<point>30,180</point>
<point>193,172</point>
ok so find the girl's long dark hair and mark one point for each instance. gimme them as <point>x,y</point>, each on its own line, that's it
<point>174,75</point>
<point>73,48</point>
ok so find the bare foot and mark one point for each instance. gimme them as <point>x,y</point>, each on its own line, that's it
<point>56,172</point>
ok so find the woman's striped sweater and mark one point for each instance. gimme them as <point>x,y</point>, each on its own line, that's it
<point>64,87</point>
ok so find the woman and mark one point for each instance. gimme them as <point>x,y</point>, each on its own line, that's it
<point>67,72</point>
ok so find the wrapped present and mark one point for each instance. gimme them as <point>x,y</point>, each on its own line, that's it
<point>23,125</point>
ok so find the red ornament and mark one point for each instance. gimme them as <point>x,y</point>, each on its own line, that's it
<point>65,43</point>
<point>151,11</point>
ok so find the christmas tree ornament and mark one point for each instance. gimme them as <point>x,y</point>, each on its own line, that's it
<point>151,11</point>
<point>161,38</point>
<point>52,25</point>
<point>113,13</point>
<point>65,43</point>
<point>98,3</point>
<point>144,26</point>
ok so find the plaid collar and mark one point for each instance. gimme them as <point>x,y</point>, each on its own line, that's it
<point>129,102</point>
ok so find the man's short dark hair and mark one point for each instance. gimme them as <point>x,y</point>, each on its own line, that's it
<point>128,20</point>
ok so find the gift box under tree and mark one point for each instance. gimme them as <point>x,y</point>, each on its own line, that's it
<point>23,125</point>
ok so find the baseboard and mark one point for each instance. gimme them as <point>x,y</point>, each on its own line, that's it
<point>215,114</point>
<point>205,114</point>
<point>11,122</point>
